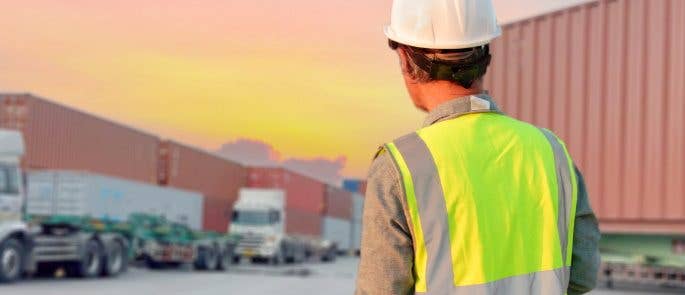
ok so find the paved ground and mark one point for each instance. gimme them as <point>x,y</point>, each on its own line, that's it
<point>334,279</point>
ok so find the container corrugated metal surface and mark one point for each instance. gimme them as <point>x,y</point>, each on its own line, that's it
<point>85,194</point>
<point>304,193</point>
<point>194,169</point>
<point>338,203</point>
<point>607,77</point>
<point>302,222</point>
<point>59,137</point>
<point>357,216</point>
<point>338,231</point>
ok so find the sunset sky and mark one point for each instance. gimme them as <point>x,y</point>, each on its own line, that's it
<point>313,79</point>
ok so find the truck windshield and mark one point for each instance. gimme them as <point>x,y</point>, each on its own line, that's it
<point>252,217</point>
<point>9,182</point>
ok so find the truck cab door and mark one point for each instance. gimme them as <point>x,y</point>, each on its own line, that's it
<point>10,193</point>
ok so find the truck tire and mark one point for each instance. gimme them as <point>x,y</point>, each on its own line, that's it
<point>115,261</point>
<point>91,262</point>
<point>226,259</point>
<point>11,260</point>
<point>279,257</point>
<point>207,259</point>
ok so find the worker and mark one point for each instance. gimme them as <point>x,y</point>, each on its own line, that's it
<point>474,202</point>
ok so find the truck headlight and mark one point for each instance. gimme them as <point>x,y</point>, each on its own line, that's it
<point>270,241</point>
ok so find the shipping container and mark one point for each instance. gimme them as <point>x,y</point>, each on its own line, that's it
<point>217,178</point>
<point>357,206</point>
<point>304,193</point>
<point>355,185</point>
<point>302,222</point>
<point>72,193</point>
<point>60,137</point>
<point>338,203</point>
<point>607,77</point>
<point>339,231</point>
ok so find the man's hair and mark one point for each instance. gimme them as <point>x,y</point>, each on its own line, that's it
<point>460,66</point>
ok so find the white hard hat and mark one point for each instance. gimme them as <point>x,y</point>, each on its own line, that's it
<point>443,24</point>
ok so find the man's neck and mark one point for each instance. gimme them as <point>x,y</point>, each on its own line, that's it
<point>441,91</point>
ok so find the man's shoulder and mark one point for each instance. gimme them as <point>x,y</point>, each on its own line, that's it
<point>383,166</point>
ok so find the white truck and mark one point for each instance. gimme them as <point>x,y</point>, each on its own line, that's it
<point>259,219</point>
<point>15,241</point>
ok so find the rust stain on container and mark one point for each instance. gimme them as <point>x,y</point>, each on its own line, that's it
<point>217,178</point>
<point>59,137</point>
<point>607,77</point>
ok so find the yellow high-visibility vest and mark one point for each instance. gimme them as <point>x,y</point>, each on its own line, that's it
<point>491,204</point>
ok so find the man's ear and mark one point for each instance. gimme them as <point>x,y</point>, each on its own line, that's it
<point>404,59</point>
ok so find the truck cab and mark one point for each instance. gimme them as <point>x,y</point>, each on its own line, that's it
<point>259,219</point>
<point>14,239</point>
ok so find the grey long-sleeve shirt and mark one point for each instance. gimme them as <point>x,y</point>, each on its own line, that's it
<point>387,252</point>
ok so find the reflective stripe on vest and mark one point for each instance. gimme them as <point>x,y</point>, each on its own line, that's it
<point>491,203</point>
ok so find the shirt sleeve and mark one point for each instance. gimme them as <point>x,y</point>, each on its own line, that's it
<point>586,235</point>
<point>387,254</point>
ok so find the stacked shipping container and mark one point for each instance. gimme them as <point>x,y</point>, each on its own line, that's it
<point>337,219</point>
<point>304,197</point>
<point>218,179</point>
<point>58,137</point>
<point>607,77</point>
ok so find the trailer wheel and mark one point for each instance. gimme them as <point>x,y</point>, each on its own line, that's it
<point>115,261</point>
<point>11,260</point>
<point>278,257</point>
<point>226,259</point>
<point>207,259</point>
<point>91,262</point>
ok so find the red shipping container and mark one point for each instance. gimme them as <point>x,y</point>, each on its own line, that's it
<point>338,203</point>
<point>303,193</point>
<point>216,214</point>
<point>607,77</point>
<point>217,178</point>
<point>59,137</point>
<point>302,222</point>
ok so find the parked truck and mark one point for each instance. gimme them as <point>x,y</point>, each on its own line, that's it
<point>15,241</point>
<point>92,225</point>
<point>260,219</point>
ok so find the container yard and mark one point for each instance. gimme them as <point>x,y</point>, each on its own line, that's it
<point>607,65</point>
<point>83,197</point>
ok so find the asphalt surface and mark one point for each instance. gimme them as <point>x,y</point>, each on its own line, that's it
<point>312,278</point>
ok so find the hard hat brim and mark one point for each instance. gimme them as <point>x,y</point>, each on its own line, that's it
<point>390,33</point>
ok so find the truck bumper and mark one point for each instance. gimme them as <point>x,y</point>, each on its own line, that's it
<point>250,252</point>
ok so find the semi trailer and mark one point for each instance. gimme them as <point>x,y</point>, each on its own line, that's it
<point>260,218</point>
<point>93,225</point>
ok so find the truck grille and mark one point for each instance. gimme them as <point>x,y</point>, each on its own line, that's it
<point>251,241</point>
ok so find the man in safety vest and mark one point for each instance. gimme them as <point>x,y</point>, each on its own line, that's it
<point>474,202</point>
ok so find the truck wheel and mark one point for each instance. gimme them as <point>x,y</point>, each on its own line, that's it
<point>11,260</point>
<point>225,260</point>
<point>207,259</point>
<point>91,262</point>
<point>115,261</point>
<point>279,257</point>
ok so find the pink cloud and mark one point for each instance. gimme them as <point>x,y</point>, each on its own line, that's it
<point>258,153</point>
